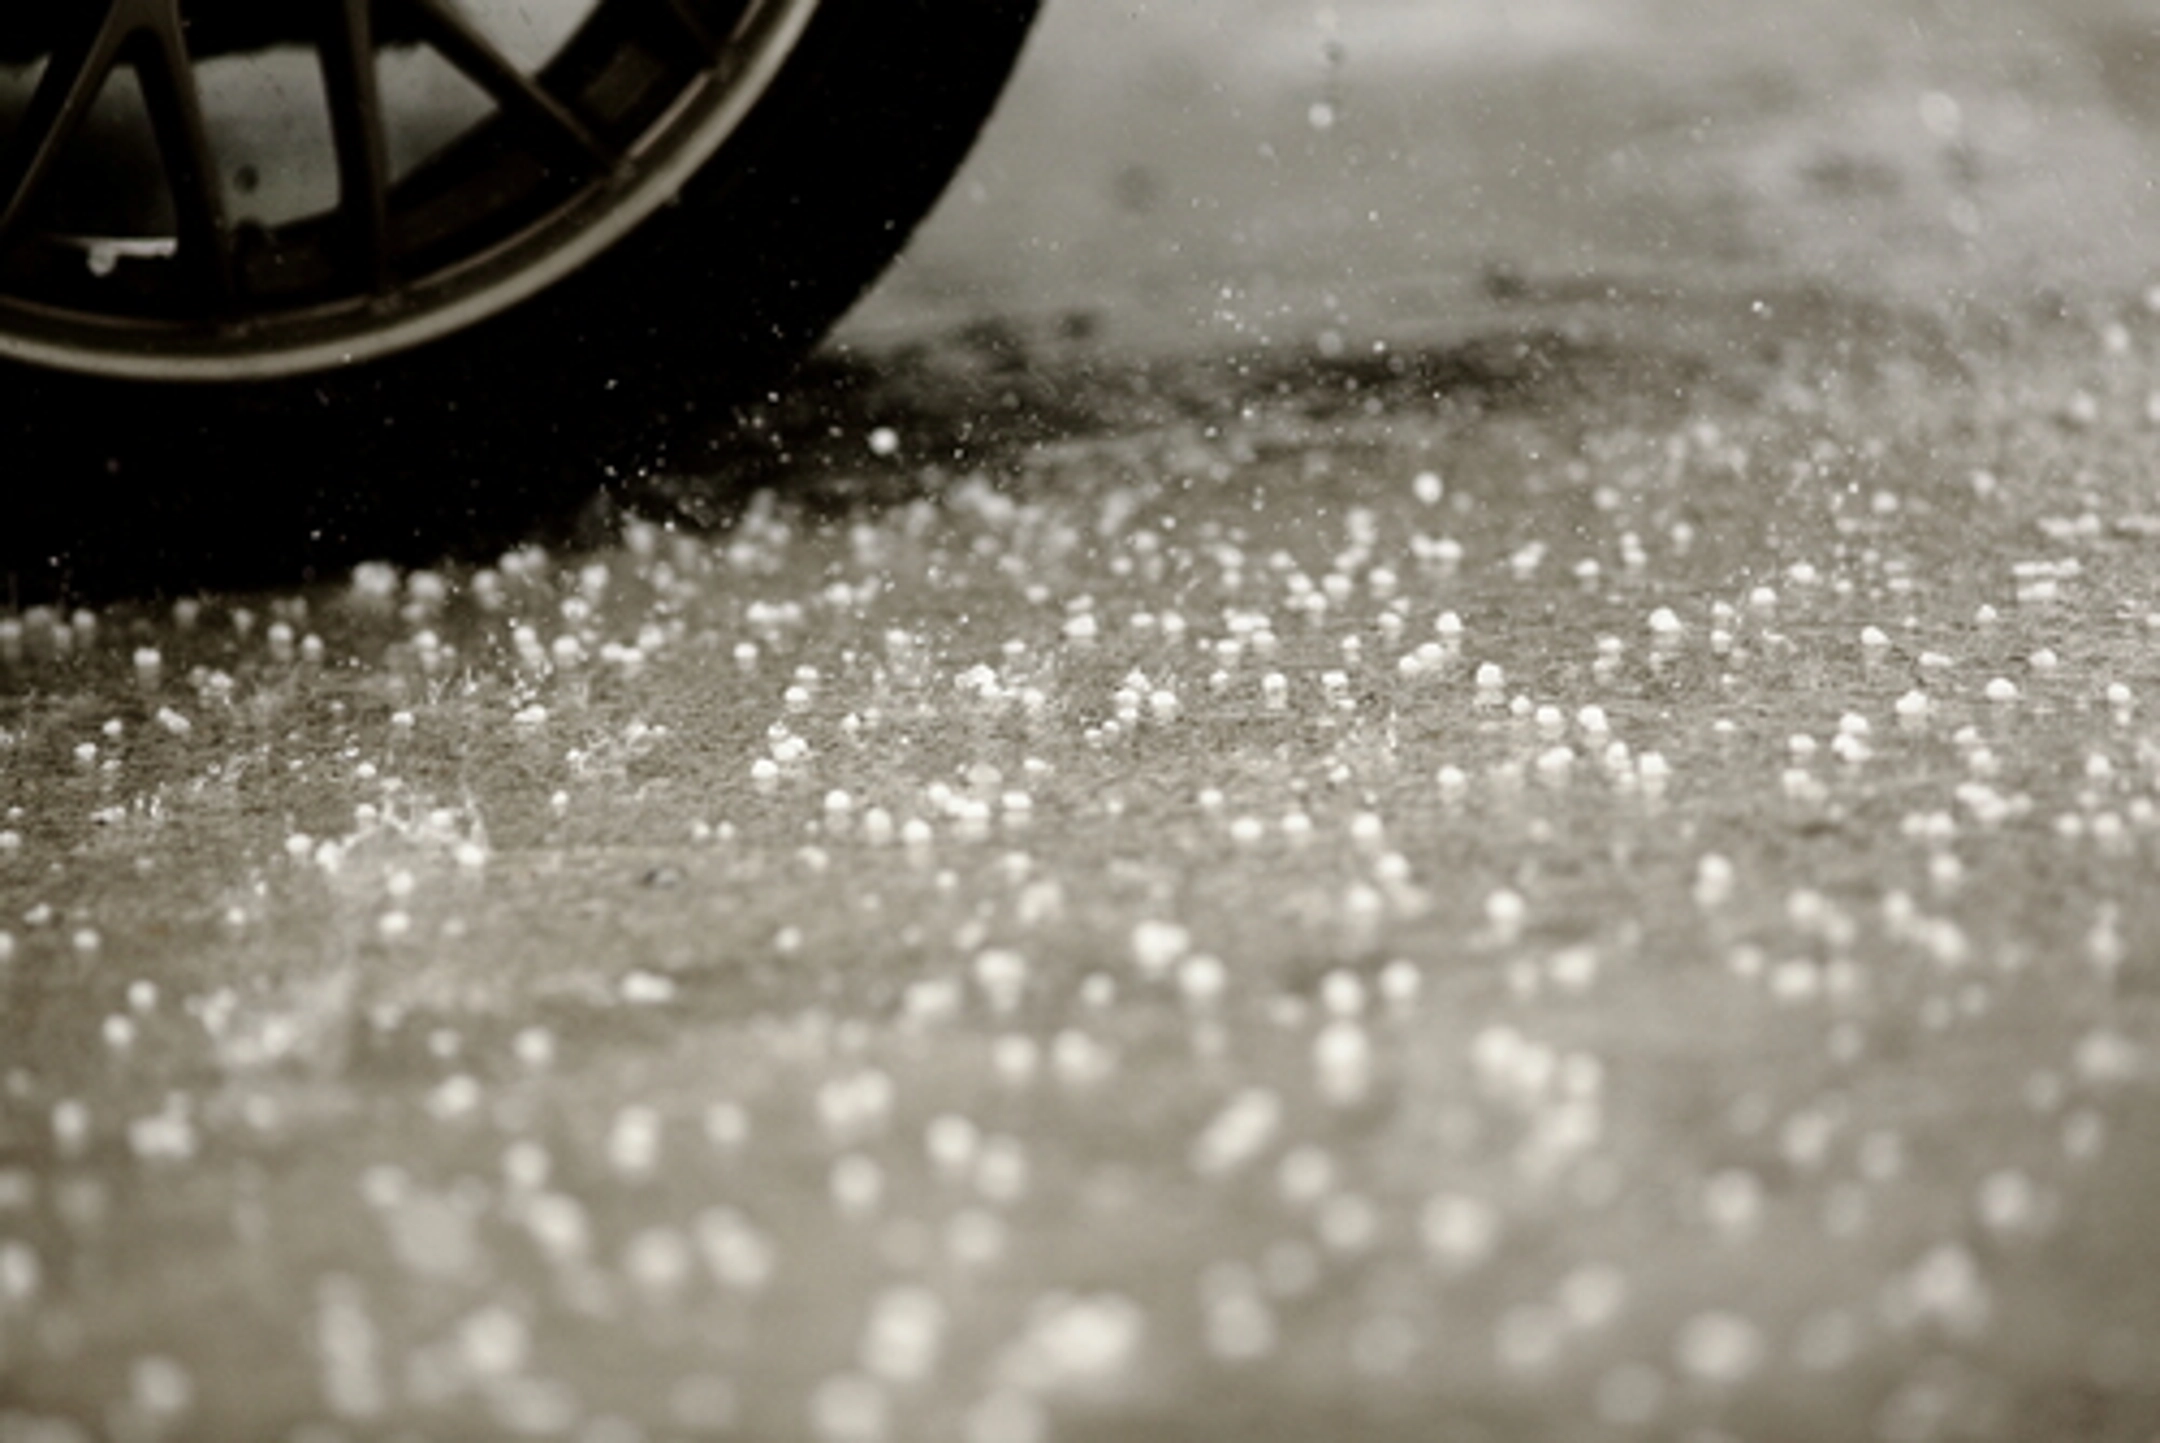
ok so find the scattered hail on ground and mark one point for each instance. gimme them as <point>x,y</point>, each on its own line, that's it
<point>1556,889</point>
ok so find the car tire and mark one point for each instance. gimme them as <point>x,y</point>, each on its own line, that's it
<point>465,444</point>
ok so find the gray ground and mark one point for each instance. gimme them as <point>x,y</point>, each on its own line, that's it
<point>1443,726</point>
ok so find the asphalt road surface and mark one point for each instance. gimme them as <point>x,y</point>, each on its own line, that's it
<point>1442,726</point>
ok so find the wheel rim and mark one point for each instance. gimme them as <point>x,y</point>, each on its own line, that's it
<point>567,155</point>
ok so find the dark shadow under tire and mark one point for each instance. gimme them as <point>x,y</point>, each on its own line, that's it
<point>463,447</point>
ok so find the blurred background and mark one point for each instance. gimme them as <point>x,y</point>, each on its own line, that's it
<point>1210,171</point>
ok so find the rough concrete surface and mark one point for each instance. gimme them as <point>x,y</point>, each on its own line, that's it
<point>1442,726</point>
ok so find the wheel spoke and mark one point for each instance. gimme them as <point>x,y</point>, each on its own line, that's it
<point>521,97</point>
<point>74,76</point>
<point>148,35</point>
<point>167,74</point>
<point>358,133</point>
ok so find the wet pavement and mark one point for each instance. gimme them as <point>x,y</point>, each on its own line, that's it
<point>1234,820</point>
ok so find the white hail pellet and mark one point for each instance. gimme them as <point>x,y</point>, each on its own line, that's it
<point>1714,880</point>
<point>1400,982</point>
<point>903,1337</point>
<point>1505,913</point>
<point>633,1142</point>
<point>1002,974</point>
<point>856,1184</point>
<point>1342,993</point>
<point>1016,1057</point>
<point>657,1260</point>
<point>1574,969</point>
<point>1245,1127</point>
<point>1459,1232</point>
<point>1201,979</point>
<point>1159,945</point>
<point>1343,1062</point>
<point>1718,1347</point>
